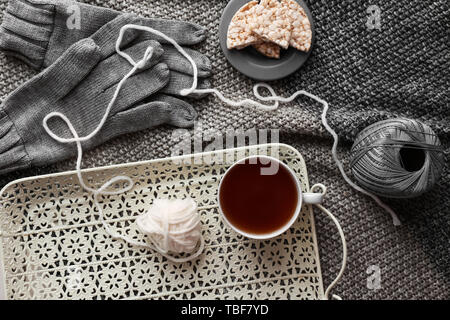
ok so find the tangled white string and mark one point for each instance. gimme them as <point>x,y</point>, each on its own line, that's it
<point>124,180</point>
<point>104,189</point>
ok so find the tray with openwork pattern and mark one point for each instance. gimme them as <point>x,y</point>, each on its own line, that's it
<point>53,246</point>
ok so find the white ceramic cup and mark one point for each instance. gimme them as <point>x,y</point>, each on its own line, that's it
<point>307,198</point>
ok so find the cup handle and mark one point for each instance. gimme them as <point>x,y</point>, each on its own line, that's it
<point>315,197</point>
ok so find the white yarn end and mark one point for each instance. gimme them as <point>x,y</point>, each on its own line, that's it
<point>395,220</point>
<point>185,92</point>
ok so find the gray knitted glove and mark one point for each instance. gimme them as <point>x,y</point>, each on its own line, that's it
<point>80,84</point>
<point>39,31</point>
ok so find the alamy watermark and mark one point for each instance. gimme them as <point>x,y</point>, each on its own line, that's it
<point>374,278</point>
<point>73,277</point>
<point>209,141</point>
<point>373,17</point>
<point>73,22</point>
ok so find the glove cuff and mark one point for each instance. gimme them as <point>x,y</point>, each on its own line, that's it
<point>13,155</point>
<point>26,30</point>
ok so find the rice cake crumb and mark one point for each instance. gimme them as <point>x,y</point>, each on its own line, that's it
<point>268,49</point>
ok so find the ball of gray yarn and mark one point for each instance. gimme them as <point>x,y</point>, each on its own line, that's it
<point>397,158</point>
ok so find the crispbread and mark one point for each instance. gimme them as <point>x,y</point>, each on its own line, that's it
<point>268,49</point>
<point>301,33</point>
<point>239,33</point>
<point>270,22</point>
<point>269,25</point>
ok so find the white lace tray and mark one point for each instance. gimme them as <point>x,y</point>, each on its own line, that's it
<point>52,245</point>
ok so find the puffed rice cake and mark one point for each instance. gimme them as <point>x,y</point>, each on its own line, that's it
<point>239,34</point>
<point>268,49</point>
<point>301,33</point>
<point>271,23</point>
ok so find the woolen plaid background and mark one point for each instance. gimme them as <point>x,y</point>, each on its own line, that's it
<point>366,76</point>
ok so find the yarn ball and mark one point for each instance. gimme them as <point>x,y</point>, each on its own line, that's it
<point>397,158</point>
<point>172,225</point>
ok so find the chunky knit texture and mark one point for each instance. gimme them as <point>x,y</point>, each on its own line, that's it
<point>366,76</point>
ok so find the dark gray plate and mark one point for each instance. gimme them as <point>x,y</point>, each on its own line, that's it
<point>252,63</point>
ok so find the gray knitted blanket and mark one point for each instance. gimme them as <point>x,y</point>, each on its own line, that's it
<point>366,75</point>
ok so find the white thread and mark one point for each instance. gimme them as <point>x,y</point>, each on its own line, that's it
<point>344,254</point>
<point>344,243</point>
